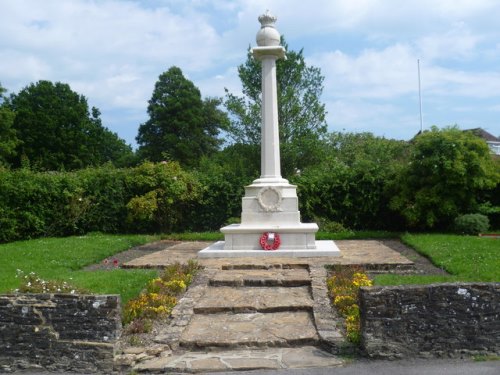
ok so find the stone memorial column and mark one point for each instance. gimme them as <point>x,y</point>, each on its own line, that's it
<point>268,51</point>
<point>270,218</point>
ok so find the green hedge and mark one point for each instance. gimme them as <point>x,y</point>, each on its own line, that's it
<point>148,198</point>
<point>162,197</point>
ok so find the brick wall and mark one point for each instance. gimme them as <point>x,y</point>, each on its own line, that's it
<point>430,320</point>
<point>59,332</point>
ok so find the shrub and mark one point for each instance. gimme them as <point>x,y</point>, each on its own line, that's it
<point>148,198</point>
<point>327,225</point>
<point>449,171</point>
<point>471,224</point>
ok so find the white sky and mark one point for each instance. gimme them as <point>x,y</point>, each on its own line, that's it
<point>113,52</point>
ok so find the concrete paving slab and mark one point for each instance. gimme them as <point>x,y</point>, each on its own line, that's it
<point>257,299</point>
<point>249,329</point>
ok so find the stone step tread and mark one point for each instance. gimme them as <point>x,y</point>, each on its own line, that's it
<point>249,330</point>
<point>261,277</point>
<point>248,359</point>
<point>256,299</point>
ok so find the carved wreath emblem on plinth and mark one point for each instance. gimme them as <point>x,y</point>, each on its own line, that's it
<point>269,199</point>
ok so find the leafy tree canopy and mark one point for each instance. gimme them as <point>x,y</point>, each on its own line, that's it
<point>447,174</point>
<point>182,126</point>
<point>56,130</point>
<point>300,112</point>
<point>8,138</point>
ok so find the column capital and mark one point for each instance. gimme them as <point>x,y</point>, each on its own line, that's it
<point>274,51</point>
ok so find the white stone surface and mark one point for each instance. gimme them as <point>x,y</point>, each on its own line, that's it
<point>323,249</point>
<point>270,203</point>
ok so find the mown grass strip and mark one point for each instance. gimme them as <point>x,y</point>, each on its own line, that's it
<point>465,258</point>
<point>64,258</point>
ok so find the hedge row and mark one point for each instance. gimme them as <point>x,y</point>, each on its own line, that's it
<point>162,197</point>
<point>151,197</point>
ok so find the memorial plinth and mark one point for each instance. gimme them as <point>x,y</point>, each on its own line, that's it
<point>270,208</point>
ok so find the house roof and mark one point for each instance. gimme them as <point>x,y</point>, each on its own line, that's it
<point>484,135</point>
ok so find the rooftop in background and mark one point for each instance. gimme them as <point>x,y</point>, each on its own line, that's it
<point>488,137</point>
<point>492,141</point>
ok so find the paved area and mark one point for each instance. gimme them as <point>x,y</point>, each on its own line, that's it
<point>255,313</point>
<point>369,253</point>
<point>241,360</point>
<point>241,316</point>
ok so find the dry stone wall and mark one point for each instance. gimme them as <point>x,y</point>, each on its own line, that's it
<point>430,320</point>
<point>59,332</point>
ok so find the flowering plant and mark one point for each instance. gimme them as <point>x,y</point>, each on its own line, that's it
<point>159,298</point>
<point>343,287</point>
<point>32,283</point>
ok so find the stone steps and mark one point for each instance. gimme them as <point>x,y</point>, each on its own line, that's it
<point>258,330</point>
<point>261,277</point>
<point>250,317</point>
<point>259,308</point>
<point>226,299</point>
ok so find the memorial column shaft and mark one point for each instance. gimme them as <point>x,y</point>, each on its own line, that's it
<point>270,146</point>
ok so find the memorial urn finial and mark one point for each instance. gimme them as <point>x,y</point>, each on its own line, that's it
<point>268,35</point>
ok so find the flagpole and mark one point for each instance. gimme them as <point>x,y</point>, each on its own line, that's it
<point>420,97</point>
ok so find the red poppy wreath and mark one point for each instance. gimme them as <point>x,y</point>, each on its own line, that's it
<point>270,241</point>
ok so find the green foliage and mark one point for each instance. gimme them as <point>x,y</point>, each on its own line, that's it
<point>8,138</point>
<point>448,173</point>
<point>149,198</point>
<point>57,132</point>
<point>61,260</point>
<point>223,178</point>
<point>349,186</point>
<point>343,289</point>
<point>163,196</point>
<point>473,258</point>
<point>357,235</point>
<point>471,224</point>
<point>181,126</point>
<point>160,296</point>
<point>326,225</point>
<point>300,112</point>
<point>466,258</point>
<point>32,283</point>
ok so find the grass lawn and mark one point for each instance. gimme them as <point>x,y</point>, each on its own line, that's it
<point>64,258</point>
<point>466,258</point>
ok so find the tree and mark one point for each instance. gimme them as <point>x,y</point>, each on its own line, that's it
<point>447,174</point>
<point>348,185</point>
<point>8,138</point>
<point>300,112</point>
<point>181,126</point>
<point>108,145</point>
<point>56,130</point>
